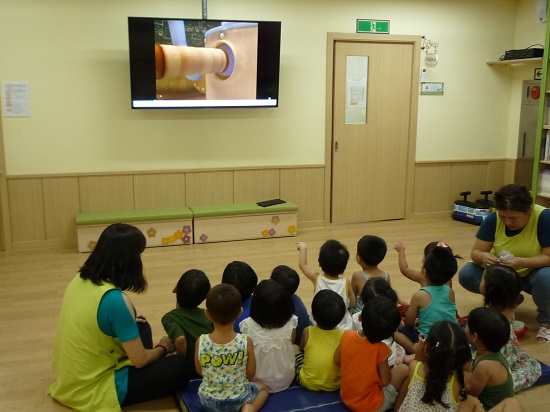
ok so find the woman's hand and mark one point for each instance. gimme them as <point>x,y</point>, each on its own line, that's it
<point>515,263</point>
<point>488,259</point>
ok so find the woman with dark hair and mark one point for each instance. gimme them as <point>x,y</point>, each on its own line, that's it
<point>516,235</point>
<point>103,356</point>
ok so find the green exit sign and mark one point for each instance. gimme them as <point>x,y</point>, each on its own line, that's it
<point>373,26</point>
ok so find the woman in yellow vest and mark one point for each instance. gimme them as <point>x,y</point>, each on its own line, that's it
<point>517,234</point>
<point>103,356</point>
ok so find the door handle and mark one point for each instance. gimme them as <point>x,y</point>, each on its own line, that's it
<point>335,146</point>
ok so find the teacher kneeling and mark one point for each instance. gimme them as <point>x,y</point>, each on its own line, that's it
<point>523,230</point>
<point>103,356</point>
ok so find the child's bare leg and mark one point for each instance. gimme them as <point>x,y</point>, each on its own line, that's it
<point>258,401</point>
<point>399,376</point>
<point>507,405</point>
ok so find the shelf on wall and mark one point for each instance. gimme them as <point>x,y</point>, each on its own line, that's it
<point>514,62</point>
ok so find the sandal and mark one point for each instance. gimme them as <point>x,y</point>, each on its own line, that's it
<point>543,334</point>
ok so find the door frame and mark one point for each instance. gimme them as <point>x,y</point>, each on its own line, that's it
<point>416,42</point>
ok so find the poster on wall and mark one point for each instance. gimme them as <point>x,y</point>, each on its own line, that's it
<point>357,68</point>
<point>16,99</point>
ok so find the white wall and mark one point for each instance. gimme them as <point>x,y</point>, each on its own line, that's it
<point>75,56</point>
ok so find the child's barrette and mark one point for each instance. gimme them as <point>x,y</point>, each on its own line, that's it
<point>437,344</point>
<point>441,244</point>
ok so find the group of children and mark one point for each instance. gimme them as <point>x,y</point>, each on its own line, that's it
<point>257,338</point>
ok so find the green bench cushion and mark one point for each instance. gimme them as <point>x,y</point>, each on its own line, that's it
<point>125,216</point>
<point>241,209</point>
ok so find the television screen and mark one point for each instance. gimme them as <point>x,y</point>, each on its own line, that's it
<point>192,63</point>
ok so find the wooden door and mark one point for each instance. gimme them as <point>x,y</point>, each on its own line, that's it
<point>371,162</point>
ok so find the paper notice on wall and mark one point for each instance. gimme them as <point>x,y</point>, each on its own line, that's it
<point>357,69</point>
<point>16,99</point>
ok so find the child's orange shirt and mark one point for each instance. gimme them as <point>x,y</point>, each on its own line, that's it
<point>361,387</point>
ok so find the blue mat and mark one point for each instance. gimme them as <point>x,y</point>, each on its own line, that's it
<point>293,399</point>
<point>545,377</point>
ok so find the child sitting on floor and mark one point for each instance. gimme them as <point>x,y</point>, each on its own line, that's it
<point>377,286</point>
<point>501,288</point>
<point>315,367</point>
<point>290,280</point>
<point>243,277</point>
<point>416,275</point>
<point>187,322</point>
<point>488,331</point>
<point>368,383</point>
<point>435,301</point>
<point>371,250</point>
<point>272,328</point>
<point>333,259</point>
<point>436,376</point>
<point>226,385</point>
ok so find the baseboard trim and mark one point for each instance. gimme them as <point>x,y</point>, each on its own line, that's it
<point>431,215</point>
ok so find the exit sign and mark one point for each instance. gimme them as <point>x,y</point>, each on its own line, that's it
<point>373,26</point>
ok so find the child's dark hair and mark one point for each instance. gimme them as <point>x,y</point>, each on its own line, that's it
<point>502,286</point>
<point>271,305</point>
<point>429,247</point>
<point>440,264</point>
<point>192,289</point>
<point>491,326</point>
<point>448,350</point>
<point>223,303</point>
<point>380,319</point>
<point>287,277</point>
<point>333,257</point>
<point>328,309</point>
<point>378,287</point>
<point>371,249</point>
<point>242,276</point>
<point>116,258</point>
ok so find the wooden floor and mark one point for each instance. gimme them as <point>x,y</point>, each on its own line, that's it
<point>32,286</point>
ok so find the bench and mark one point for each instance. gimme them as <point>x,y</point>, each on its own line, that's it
<point>240,221</point>
<point>161,227</point>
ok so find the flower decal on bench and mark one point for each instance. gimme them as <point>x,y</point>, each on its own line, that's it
<point>91,244</point>
<point>152,232</point>
<point>292,229</point>
<point>186,239</point>
<point>203,237</point>
<point>265,233</point>
<point>275,220</point>
<point>186,229</point>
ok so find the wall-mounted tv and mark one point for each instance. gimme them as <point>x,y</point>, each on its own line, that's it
<point>193,63</point>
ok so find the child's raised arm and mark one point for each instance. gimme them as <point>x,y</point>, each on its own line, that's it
<point>409,273</point>
<point>302,262</point>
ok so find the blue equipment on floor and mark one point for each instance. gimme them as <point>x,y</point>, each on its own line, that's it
<point>470,212</point>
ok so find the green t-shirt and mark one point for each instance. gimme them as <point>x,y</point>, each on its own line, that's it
<point>190,323</point>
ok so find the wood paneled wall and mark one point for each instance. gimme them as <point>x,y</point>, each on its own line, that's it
<point>42,209</point>
<point>438,184</point>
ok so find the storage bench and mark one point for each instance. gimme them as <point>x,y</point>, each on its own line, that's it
<point>161,227</point>
<point>240,221</point>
